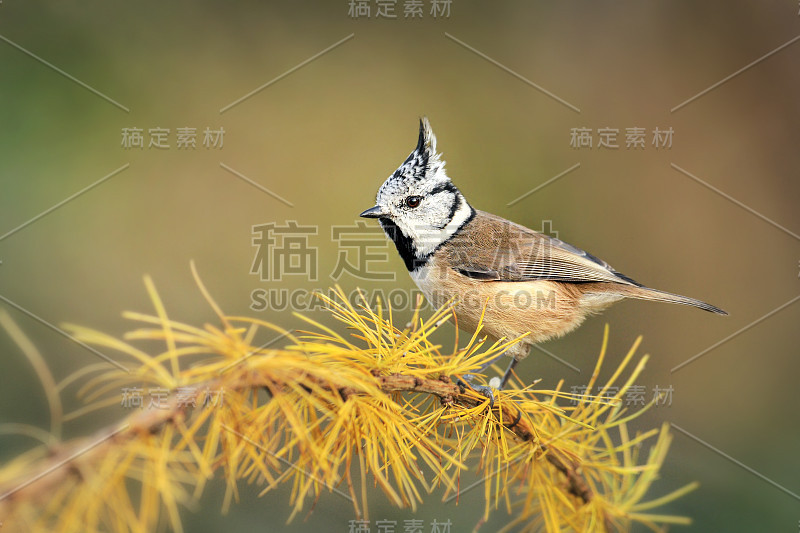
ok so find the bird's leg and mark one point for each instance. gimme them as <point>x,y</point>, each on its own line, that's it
<point>516,352</point>
<point>483,389</point>
<point>470,377</point>
<point>493,383</point>
<point>507,373</point>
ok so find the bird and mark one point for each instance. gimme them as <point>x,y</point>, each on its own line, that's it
<point>504,277</point>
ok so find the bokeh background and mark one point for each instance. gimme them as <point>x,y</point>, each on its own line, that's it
<point>325,136</point>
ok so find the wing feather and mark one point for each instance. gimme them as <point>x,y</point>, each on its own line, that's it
<point>491,248</point>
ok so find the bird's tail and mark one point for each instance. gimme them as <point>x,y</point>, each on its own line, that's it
<point>645,293</point>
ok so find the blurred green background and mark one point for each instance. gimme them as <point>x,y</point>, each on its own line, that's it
<point>324,138</point>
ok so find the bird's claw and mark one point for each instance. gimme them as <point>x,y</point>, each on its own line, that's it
<point>485,391</point>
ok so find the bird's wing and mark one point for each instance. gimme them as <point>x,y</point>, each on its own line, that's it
<point>490,248</point>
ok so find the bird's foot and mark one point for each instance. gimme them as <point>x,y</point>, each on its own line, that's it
<point>495,384</point>
<point>483,390</point>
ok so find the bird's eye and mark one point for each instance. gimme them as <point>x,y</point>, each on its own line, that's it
<point>413,201</point>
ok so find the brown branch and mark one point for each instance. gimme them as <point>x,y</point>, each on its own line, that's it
<point>449,392</point>
<point>62,461</point>
<point>67,460</point>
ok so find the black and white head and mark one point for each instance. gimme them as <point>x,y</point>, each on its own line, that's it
<point>418,206</point>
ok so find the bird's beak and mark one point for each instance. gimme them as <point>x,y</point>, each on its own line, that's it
<point>373,212</point>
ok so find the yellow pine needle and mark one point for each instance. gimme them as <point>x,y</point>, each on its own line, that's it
<point>40,367</point>
<point>164,322</point>
<point>378,398</point>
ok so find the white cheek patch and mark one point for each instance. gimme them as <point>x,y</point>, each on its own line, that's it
<point>437,210</point>
<point>427,235</point>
